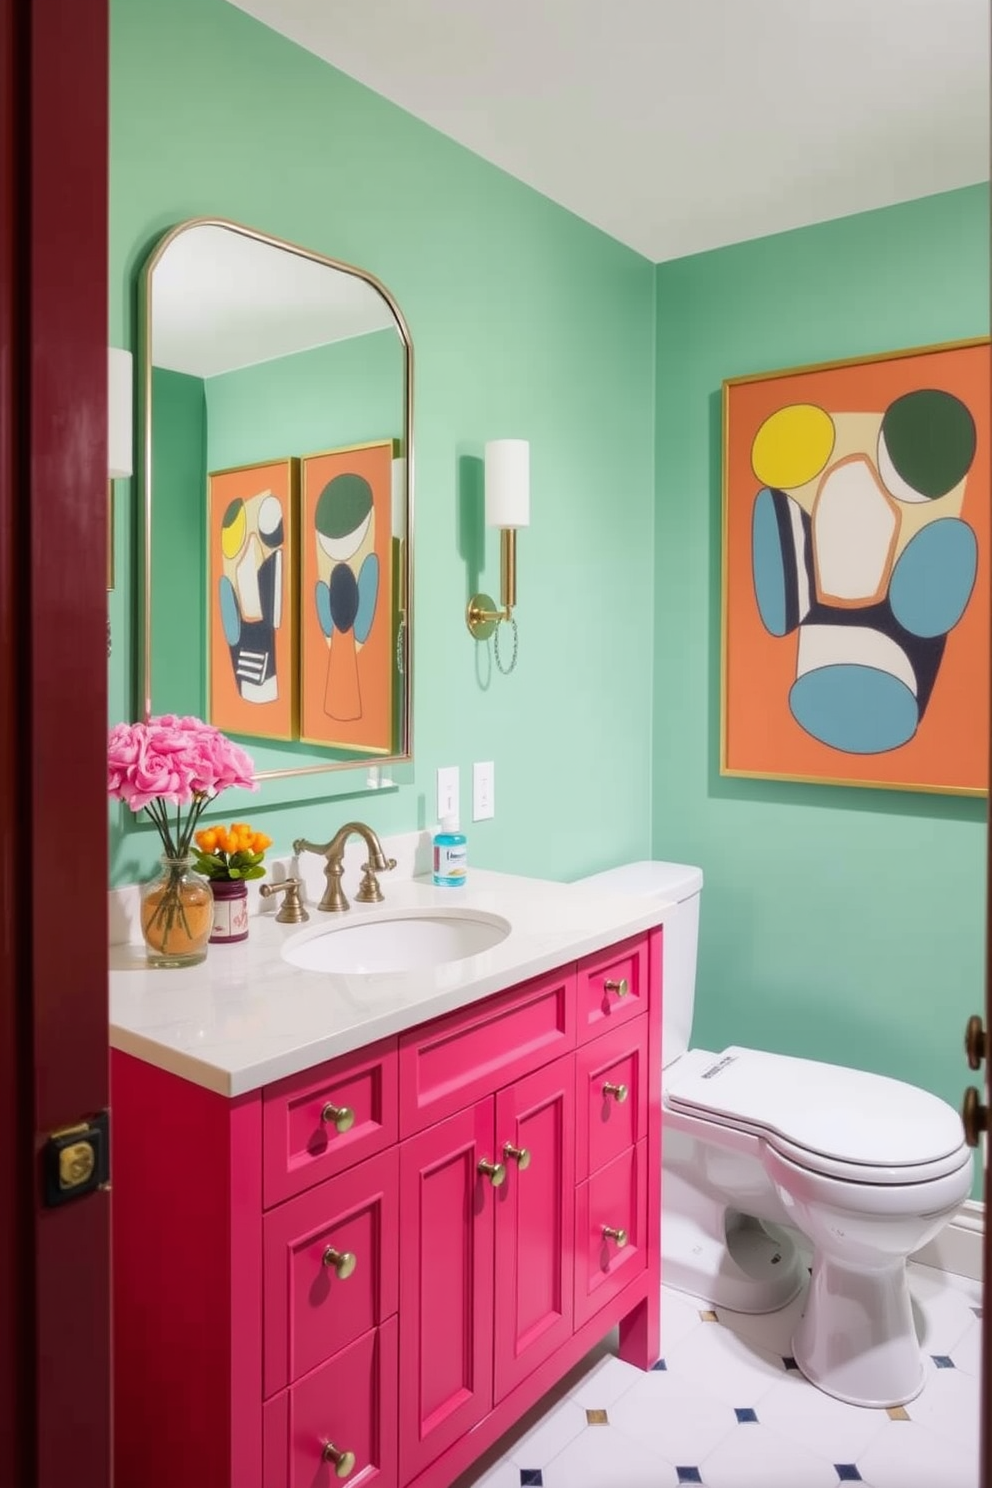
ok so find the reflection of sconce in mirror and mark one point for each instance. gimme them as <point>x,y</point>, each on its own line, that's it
<point>399,508</point>
<point>507,507</point>
<point>119,454</point>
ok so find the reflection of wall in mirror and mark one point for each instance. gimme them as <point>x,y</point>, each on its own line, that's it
<point>347,626</point>
<point>252,618</point>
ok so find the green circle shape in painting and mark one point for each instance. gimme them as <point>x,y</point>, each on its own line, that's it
<point>929,436</point>
<point>343,506</point>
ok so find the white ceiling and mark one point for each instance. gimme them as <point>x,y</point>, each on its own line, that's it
<point>221,299</point>
<point>682,125</point>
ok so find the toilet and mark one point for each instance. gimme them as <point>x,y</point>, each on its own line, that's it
<point>769,1160</point>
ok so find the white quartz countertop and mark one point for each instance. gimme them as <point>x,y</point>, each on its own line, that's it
<point>245,1017</point>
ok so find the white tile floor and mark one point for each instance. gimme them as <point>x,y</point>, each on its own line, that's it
<point>727,1408</point>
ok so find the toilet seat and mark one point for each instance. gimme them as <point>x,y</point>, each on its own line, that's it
<point>836,1122</point>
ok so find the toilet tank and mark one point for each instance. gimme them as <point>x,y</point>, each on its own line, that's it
<point>680,883</point>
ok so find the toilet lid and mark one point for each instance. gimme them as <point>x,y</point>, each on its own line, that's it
<point>824,1116</point>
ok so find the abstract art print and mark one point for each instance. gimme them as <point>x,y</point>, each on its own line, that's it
<point>856,531</point>
<point>346,608</point>
<point>251,599</point>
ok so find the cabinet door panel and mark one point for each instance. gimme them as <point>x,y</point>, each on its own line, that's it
<point>312,1311</point>
<point>349,1402</point>
<point>614,1198</point>
<point>534,1222</point>
<point>303,1142</point>
<point>612,1096</point>
<point>446,1284</point>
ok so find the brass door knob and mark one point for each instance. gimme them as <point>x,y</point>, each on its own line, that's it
<point>976,1044</point>
<point>620,1236</point>
<point>618,1092</point>
<point>342,1117</point>
<point>975,1117</point>
<point>620,988</point>
<point>343,1262</point>
<point>520,1155</point>
<point>344,1462</point>
<point>495,1172</point>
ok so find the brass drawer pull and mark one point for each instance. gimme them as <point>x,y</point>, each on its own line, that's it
<point>343,1117</point>
<point>620,1236</point>
<point>520,1155</point>
<point>620,987</point>
<point>495,1172</point>
<point>343,1261</point>
<point>344,1462</point>
<point>618,1092</point>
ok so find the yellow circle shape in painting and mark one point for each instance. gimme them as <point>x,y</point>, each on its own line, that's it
<point>234,529</point>
<point>792,446</point>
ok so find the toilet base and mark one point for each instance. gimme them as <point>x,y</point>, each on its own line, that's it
<point>744,1266</point>
<point>856,1340</point>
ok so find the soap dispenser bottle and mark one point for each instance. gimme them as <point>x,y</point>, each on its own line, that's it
<point>450,854</point>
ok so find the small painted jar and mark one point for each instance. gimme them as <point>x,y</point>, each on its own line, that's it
<point>230,911</point>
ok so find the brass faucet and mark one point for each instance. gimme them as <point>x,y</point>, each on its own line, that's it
<point>369,891</point>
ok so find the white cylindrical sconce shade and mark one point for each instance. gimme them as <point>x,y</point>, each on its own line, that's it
<point>398,495</point>
<point>119,384</point>
<point>508,483</point>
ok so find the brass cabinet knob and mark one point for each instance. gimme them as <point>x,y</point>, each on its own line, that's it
<point>343,1262</point>
<point>344,1462</point>
<point>976,1043</point>
<point>520,1155</point>
<point>620,988</point>
<point>343,1117</point>
<point>618,1092</point>
<point>620,1236</point>
<point>974,1116</point>
<point>495,1172</point>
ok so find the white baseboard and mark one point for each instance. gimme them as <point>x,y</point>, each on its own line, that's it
<point>958,1247</point>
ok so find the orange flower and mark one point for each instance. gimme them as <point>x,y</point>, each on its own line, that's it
<point>207,839</point>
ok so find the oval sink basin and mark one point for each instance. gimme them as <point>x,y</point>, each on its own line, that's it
<point>396,942</point>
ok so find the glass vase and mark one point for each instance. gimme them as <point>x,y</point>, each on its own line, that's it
<point>177,915</point>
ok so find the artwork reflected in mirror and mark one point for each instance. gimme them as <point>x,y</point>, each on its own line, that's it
<point>277,611</point>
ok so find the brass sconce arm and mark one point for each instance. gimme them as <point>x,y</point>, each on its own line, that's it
<point>481,614</point>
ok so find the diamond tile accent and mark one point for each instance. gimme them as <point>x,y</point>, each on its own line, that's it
<point>597,1418</point>
<point>977,1311</point>
<point>942,1361</point>
<point>745,1415</point>
<point>847,1472</point>
<point>708,1316</point>
<point>660,1365</point>
<point>531,1477</point>
<point>790,1362</point>
<point>689,1474</point>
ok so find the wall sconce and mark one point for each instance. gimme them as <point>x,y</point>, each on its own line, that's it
<point>119,427</point>
<point>507,507</point>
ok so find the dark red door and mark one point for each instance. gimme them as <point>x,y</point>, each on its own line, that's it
<point>54,1261</point>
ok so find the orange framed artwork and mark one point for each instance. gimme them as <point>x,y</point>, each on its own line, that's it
<point>251,600</point>
<point>855,603</point>
<point>346,620</point>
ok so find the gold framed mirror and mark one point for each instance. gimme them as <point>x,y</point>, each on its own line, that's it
<point>276,478</point>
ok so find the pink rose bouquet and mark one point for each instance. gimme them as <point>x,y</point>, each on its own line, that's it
<point>172,768</point>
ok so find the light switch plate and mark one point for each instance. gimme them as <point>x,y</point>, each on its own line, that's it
<point>447,791</point>
<point>483,790</point>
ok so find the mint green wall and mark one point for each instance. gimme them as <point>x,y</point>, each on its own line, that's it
<point>526,323</point>
<point>837,923</point>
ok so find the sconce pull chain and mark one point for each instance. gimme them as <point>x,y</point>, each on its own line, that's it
<point>506,670</point>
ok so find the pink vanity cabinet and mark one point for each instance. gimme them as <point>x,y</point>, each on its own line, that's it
<point>368,1271</point>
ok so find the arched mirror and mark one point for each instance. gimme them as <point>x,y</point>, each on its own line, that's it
<point>278,515</point>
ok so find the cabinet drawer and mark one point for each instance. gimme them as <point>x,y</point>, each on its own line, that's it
<point>612,987</point>
<point>467,1055</point>
<point>614,1197</point>
<point>609,1120</point>
<point>322,1121</point>
<point>331,1267</point>
<point>349,1402</point>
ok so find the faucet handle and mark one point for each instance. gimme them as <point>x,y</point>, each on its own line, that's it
<point>369,891</point>
<point>291,910</point>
